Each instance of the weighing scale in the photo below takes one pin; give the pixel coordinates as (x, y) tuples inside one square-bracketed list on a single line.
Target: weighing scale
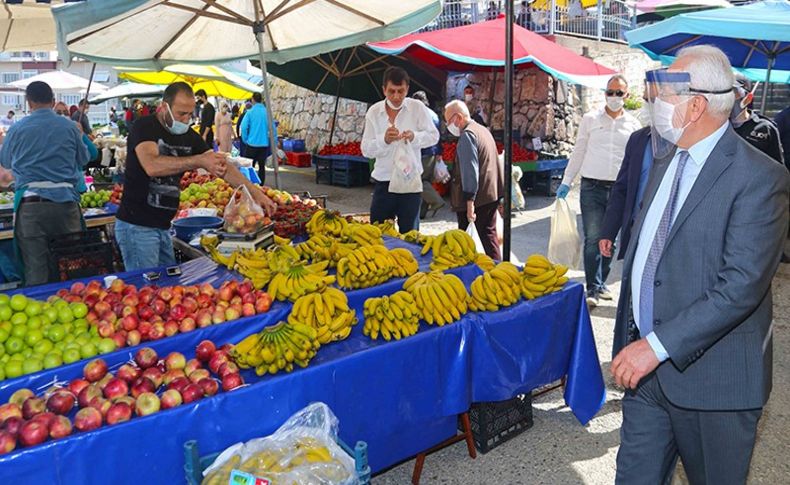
[(231, 242)]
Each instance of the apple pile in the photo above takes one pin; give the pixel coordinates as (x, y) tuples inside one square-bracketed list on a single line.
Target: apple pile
[(198, 191), (138, 388), (244, 216), (129, 315), (116, 194)]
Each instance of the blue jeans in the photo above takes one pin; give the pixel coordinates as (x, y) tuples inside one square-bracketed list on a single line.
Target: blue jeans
[(144, 247), (594, 196)]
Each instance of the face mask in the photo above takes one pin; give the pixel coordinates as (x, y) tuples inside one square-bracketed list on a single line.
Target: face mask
[(469, 97), (178, 127), (453, 129), (663, 114), (614, 103), (392, 106)]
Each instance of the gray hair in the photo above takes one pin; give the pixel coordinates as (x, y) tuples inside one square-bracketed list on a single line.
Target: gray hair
[(711, 70), (618, 77), (457, 106)]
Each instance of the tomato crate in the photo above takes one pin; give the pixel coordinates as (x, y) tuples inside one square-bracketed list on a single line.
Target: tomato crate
[(298, 159), (81, 255), (493, 423), (194, 464)]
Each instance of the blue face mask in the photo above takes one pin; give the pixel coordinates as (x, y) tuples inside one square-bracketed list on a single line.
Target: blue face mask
[(178, 127)]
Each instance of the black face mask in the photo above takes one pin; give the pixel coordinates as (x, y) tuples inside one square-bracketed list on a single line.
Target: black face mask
[(199, 101)]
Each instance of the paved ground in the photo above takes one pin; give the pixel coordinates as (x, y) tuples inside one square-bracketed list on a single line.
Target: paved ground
[(558, 450)]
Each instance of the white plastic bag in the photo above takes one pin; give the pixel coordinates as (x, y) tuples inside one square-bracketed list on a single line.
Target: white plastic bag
[(406, 177), (565, 245), (440, 172), (472, 231)]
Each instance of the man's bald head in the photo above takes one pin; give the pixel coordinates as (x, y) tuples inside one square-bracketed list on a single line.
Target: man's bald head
[(456, 107)]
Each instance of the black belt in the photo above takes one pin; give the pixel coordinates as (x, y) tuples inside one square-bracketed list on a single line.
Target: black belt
[(603, 183), (33, 198)]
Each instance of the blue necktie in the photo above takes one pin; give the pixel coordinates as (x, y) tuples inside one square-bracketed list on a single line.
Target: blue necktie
[(659, 241)]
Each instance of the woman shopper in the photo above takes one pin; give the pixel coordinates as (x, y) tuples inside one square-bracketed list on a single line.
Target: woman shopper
[(223, 124)]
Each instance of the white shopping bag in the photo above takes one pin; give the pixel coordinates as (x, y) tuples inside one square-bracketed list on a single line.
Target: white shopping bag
[(565, 245), (472, 231), (440, 172), (406, 170)]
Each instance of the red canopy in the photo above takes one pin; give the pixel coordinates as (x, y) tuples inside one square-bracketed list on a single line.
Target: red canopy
[(481, 47)]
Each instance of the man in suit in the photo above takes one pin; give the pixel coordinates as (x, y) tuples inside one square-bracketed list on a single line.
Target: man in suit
[(693, 333)]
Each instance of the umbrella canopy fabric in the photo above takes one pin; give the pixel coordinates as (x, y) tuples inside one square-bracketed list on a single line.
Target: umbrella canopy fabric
[(214, 80), (356, 73), (61, 81), (481, 47), (27, 25), (669, 8), (130, 90), (154, 33)]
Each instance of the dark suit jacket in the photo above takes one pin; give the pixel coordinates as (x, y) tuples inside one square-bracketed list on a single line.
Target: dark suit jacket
[(620, 208), (712, 296)]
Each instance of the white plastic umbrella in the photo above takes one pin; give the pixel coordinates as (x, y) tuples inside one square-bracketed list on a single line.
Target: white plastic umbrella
[(27, 25), (61, 81), (129, 90), (155, 33)]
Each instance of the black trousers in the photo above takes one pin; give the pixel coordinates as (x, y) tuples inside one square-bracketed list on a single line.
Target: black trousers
[(389, 205), (258, 156), (36, 223), (485, 223)]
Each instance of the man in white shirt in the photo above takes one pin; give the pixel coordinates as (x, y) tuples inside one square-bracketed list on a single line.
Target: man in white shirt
[(396, 119), (598, 154)]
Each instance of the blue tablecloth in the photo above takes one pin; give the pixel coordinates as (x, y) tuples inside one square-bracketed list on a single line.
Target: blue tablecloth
[(401, 397)]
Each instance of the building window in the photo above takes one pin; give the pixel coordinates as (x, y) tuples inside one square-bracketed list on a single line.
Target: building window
[(9, 77), (29, 74), (71, 99), (101, 76), (10, 100)]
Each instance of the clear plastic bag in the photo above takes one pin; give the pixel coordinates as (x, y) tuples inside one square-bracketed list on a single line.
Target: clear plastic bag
[(304, 450), (440, 172), (242, 214), (565, 245), (472, 231), (406, 170)]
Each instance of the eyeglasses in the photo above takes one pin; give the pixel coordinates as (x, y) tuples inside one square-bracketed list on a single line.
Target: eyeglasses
[(61, 113), (612, 92)]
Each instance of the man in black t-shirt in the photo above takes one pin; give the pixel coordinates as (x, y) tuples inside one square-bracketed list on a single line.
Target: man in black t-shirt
[(161, 148), (753, 127), (81, 117), (207, 114)]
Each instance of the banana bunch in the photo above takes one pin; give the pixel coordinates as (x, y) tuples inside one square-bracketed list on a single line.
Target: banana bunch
[(317, 248), (484, 262), (499, 287), (364, 267), (441, 298), (299, 279), (281, 241), (362, 234), (451, 249), (340, 250), (276, 348), (327, 312), (254, 265), (387, 228), (282, 257), (412, 236), (405, 263), (326, 222), (394, 317), (541, 277)]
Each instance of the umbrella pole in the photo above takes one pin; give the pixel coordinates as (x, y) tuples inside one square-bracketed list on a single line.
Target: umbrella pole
[(88, 92), (765, 85), (508, 137), (259, 29), (334, 115)]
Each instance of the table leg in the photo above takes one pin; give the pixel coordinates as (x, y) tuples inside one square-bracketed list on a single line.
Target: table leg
[(419, 462)]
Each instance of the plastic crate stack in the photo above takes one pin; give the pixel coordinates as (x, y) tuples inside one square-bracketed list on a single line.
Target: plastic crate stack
[(81, 255)]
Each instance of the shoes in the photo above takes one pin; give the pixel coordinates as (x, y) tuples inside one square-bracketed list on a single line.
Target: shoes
[(592, 300), (605, 294)]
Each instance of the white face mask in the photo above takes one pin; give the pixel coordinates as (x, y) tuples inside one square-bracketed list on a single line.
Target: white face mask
[(469, 97), (392, 106), (454, 130), (614, 103), (663, 115)]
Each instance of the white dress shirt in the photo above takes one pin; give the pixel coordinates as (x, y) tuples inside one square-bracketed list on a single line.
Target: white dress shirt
[(698, 155), (414, 116), (600, 146)]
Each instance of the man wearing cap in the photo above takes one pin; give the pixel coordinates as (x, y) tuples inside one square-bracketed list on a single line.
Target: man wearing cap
[(753, 127)]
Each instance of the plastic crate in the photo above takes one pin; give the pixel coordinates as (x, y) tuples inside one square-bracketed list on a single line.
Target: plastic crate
[(323, 169), (350, 178), (194, 464), (81, 255), (298, 159), (494, 423), (293, 145)]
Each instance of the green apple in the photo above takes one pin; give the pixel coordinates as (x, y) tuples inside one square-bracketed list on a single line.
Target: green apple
[(43, 346), (19, 331), (4, 334), (71, 355), (52, 360), (14, 345), (51, 313), (35, 322), (106, 345), (18, 302), (88, 350), (33, 308), (56, 333), (32, 365), (65, 315), (4, 299), (19, 318), (13, 369), (5, 313), (79, 310), (34, 336)]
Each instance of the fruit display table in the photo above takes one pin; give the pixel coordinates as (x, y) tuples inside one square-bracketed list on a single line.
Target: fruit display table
[(401, 397)]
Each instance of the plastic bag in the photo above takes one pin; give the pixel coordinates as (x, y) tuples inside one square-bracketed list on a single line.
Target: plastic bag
[(304, 450), (406, 169), (516, 196), (242, 214), (440, 172), (472, 231), (565, 245)]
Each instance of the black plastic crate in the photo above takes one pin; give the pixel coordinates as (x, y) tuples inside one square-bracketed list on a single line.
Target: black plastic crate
[(545, 182), (81, 255), (351, 177), (323, 169), (493, 423)]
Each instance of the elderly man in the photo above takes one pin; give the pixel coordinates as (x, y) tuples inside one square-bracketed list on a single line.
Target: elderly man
[(599, 150), (693, 334), (389, 124), (46, 155), (161, 148), (477, 183)]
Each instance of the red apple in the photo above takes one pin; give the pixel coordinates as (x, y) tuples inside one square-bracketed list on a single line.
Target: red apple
[(248, 310), (178, 384), (248, 298), (106, 329), (207, 289), (125, 399), (231, 382), (172, 375), (218, 316), (203, 301), (236, 300), (227, 368), (192, 392), (159, 307), (120, 339), (95, 370), (19, 397), (245, 288), (87, 419), (130, 300), (147, 403), (171, 328), (175, 360), (199, 374), (227, 348), (141, 386), (190, 305), (33, 406), (217, 360), (13, 424), (225, 293), (118, 413), (128, 372), (61, 402), (204, 318), (171, 398), (10, 410), (133, 338), (232, 314), (209, 386), (146, 357), (116, 388), (154, 375), (205, 350), (157, 331), (33, 433), (165, 293), (86, 395), (117, 286), (130, 322), (60, 427), (146, 313), (7, 442), (101, 308), (77, 385), (77, 288), (187, 325), (100, 404), (104, 380), (178, 312), (192, 365)]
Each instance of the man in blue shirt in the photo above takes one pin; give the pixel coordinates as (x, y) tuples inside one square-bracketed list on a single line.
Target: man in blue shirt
[(45, 154), (255, 135)]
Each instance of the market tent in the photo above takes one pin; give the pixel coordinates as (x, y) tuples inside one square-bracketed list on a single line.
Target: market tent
[(657, 10), (216, 81), (130, 90), (61, 81), (754, 36), (131, 32), (27, 25), (481, 47)]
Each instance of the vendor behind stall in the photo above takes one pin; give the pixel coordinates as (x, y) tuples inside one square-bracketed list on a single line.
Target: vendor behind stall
[(161, 148), (45, 154)]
